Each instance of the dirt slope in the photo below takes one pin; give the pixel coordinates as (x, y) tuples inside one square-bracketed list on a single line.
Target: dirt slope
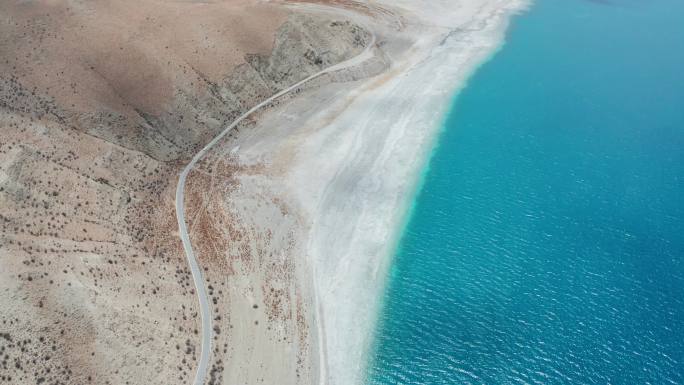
[(101, 102)]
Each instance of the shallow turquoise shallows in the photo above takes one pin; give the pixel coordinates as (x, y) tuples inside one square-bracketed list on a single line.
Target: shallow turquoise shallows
[(547, 243)]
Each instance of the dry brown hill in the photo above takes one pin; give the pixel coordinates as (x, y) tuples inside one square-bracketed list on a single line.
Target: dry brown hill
[(101, 102)]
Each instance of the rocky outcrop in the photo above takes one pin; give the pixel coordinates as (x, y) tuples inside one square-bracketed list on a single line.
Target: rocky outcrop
[(302, 46)]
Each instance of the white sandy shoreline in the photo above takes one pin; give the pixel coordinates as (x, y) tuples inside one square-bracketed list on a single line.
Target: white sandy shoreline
[(346, 158), (496, 34), (356, 228)]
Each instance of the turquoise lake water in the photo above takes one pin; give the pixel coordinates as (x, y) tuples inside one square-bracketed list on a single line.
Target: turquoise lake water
[(547, 243)]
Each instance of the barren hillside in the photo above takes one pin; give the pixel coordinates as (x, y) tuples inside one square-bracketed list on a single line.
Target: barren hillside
[(101, 103)]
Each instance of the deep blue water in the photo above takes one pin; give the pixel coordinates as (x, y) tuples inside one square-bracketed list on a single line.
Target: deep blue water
[(547, 243)]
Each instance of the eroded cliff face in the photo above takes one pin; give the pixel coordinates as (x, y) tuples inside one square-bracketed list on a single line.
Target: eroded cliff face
[(101, 103)]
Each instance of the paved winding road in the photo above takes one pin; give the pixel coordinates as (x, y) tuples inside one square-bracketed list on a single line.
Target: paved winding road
[(205, 309)]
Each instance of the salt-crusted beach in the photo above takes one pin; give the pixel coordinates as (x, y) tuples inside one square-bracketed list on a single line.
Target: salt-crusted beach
[(339, 161)]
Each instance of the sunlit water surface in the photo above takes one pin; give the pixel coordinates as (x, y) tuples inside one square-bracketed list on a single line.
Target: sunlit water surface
[(547, 243)]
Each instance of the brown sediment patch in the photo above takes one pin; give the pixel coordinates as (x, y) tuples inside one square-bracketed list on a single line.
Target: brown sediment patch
[(257, 259), (216, 232)]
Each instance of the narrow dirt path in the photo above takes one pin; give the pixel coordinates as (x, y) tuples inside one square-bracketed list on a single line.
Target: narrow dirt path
[(205, 309)]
